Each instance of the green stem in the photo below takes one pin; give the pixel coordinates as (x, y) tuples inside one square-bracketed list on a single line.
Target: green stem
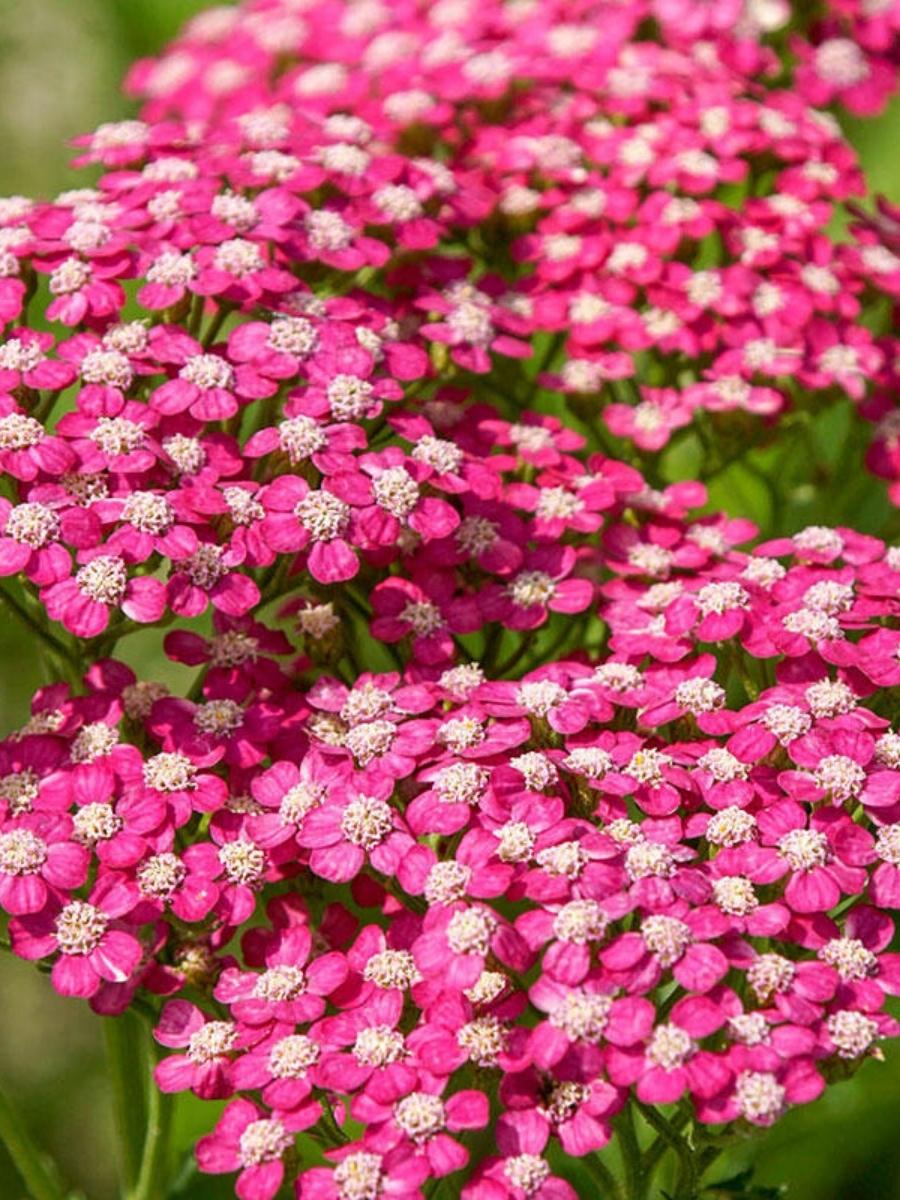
[(514, 659), (50, 641), (631, 1155), (127, 1074), (665, 1140), (608, 1185), (216, 324), (153, 1175), (688, 1175), (39, 1173), (329, 1126), (667, 1133)]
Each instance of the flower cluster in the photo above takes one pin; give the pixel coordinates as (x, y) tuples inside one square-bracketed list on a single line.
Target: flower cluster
[(510, 788)]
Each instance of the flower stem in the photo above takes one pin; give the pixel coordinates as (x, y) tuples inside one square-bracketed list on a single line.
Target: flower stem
[(50, 641), (608, 1185), (127, 1074), (630, 1148), (153, 1174), (691, 1164), (38, 1171)]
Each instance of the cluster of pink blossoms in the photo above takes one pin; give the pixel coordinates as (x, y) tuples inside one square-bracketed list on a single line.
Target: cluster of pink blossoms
[(512, 789)]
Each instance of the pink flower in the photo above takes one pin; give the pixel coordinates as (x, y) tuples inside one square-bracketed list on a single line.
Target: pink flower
[(816, 857), (424, 1121), (89, 944), (208, 576), (345, 833), (289, 990), (287, 794), (24, 362), (363, 1043), (27, 449), (522, 1172), (31, 539), (205, 1068), (761, 1095), (398, 1174), (651, 423), (671, 1062), (83, 601), (253, 1142), (315, 520), (429, 614), (169, 787), (457, 939), (578, 1114), (542, 584), (38, 862), (283, 1068)]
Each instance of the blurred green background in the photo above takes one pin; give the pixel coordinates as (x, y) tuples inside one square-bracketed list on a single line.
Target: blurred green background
[(60, 66)]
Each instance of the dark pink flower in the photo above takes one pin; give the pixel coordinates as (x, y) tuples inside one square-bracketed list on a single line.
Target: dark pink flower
[(86, 938), (38, 861), (83, 601), (253, 1142)]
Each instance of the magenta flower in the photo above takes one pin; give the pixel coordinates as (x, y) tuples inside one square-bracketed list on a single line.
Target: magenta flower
[(239, 650), (543, 585), (522, 1171), (38, 862), (348, 315), (300, 439), (232, 869), (840, 763), (27, 449), (24, 362), (458, 938), (344, 834), (83, 601), (253, 1143), (315, 520), (856, 954), (761, 1095), (169, 787), (286, 794), (290, 989), (88, 943), (209, 1045), (283, 1068), (218, 728), (398, 1174), (578, 1114), (815, 856), (429, 614), (31, 538), (208, 576), (672, 1062), (422, 1120)]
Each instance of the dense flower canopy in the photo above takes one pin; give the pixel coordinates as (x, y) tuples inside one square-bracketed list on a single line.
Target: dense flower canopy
[(512, 788)]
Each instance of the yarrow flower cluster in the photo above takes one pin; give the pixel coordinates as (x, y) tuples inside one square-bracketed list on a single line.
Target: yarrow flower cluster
[(515, 788)]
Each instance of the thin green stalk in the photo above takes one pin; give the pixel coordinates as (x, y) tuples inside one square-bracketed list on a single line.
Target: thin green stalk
[(216, 324), (39, 1173), (608, 1186), (327, 1123), (631, 1154), (127, 1074), (514, 659), (687, 1160), (154, 1170), (664, 1141), (50, 641)]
